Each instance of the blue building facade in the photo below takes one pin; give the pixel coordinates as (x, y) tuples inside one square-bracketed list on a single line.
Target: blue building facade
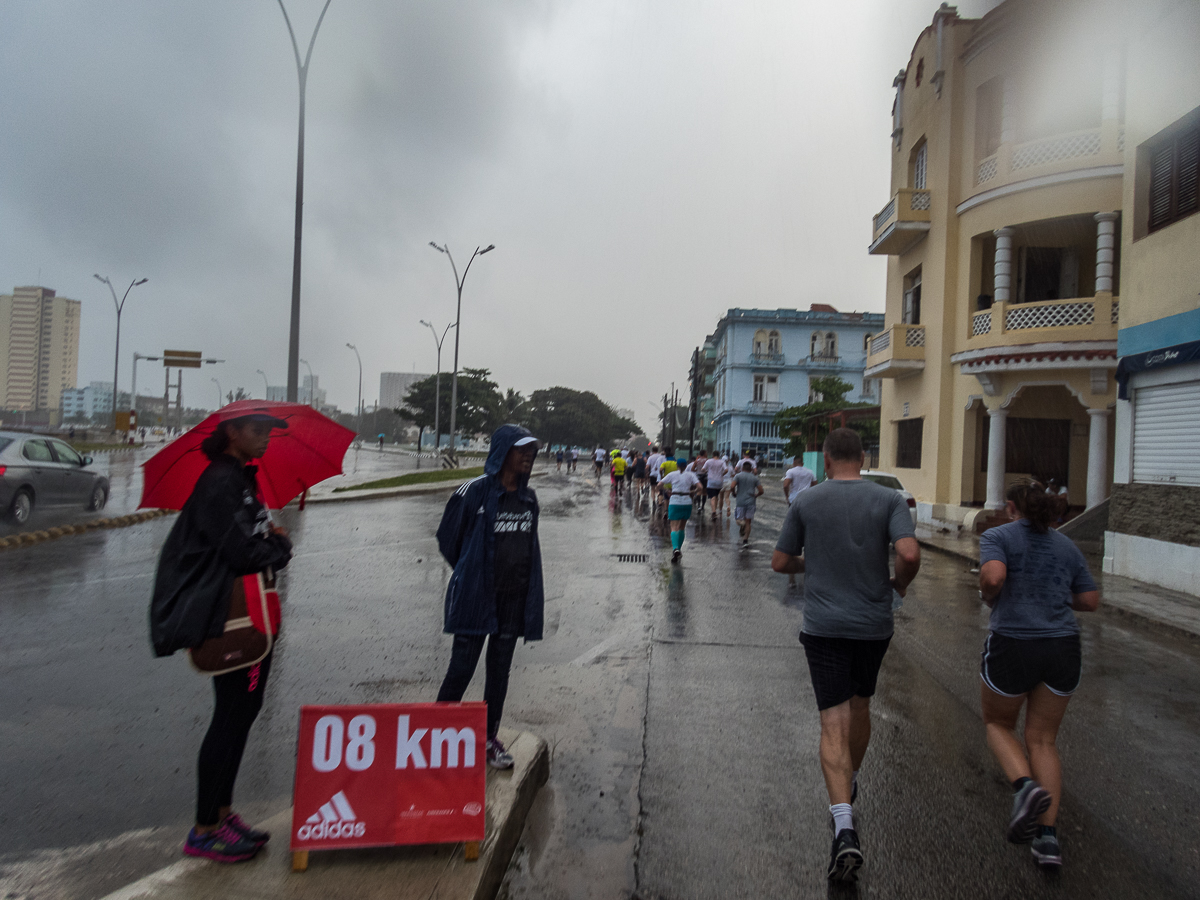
[(765, 360)]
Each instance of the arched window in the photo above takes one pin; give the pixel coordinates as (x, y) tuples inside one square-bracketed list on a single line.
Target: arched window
[(774, 343), (761, 339), (866, 343), (831, 345), (814, 345)]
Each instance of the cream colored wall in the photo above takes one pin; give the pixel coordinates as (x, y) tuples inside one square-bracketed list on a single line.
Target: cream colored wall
[(5, 331), (1162, 85)]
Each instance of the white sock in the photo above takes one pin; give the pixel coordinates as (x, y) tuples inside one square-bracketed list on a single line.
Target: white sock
[(843, 817)]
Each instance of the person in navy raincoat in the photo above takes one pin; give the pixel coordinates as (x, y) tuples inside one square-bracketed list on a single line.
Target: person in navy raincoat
[(489, 535)]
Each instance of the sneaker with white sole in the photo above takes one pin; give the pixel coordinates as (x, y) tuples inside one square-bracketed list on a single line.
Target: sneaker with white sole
[(1028, 803), (1046, 852), (497, 756), (845, 859)]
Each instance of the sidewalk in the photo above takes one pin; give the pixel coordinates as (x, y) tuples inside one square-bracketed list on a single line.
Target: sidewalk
[(403, 873), (1173, 609)]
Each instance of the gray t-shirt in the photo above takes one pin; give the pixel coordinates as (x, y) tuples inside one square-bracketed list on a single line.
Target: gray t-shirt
[(746, 485), (1044, 570), (845, 529)]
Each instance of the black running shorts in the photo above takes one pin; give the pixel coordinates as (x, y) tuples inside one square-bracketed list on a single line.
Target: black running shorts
[(713, 491), (842, 668), (1013, 667)]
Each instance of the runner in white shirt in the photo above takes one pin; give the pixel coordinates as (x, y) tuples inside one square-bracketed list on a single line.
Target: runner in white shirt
[(724, 498), (600, 458), (715, 470), (797, 479), (679, 485), (653, 461)]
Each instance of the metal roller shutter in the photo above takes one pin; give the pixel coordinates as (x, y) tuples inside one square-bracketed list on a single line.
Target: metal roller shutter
[(1166, 434)]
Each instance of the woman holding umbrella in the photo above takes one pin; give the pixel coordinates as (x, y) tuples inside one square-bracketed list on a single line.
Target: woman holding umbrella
[(223, 532)]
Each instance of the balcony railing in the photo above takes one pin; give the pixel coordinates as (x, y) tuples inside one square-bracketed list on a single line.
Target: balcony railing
[(1078, 319), (901, 223), (896, 352), (823, 359), (764, 406), (766, 359), (1059, 152)]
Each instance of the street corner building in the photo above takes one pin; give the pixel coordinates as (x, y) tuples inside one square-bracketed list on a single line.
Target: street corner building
[(759, 361), (1021, 200)]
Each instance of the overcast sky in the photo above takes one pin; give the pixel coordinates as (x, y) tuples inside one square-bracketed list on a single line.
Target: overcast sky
[(640, 166)]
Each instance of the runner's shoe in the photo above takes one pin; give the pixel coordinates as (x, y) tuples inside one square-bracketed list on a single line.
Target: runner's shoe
[(676, 556), (1028, 803), (222, 845), (498, 757), (845, 859), (238, 824), (1046, 851)]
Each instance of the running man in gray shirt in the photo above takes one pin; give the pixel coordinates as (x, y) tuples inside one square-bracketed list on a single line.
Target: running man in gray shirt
[(844, 528)]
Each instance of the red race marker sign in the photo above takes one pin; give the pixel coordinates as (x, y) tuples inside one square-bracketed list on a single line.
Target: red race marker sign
[(389, 774)]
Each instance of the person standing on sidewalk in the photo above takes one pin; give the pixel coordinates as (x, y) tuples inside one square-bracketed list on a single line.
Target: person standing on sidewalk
[(1033, 578), (489, 535), (844, 528), (223, 532), (747, 488)]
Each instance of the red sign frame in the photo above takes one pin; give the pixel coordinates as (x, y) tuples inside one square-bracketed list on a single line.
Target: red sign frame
[(389, 774)]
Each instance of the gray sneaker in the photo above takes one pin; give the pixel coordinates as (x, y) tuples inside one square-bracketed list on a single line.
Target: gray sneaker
[(1046, 851), (497, 756), (1028, 803)]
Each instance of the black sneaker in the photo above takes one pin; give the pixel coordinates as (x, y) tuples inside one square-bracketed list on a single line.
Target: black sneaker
[(238, 824), (1028, 803), (676, 556), (1046, 852), (845, 859)]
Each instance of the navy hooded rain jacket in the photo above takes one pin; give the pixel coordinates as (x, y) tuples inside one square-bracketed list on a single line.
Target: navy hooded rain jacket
[(466, 539)]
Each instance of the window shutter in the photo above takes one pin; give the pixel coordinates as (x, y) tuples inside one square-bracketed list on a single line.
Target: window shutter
[(1160, 185), (1189, 156)]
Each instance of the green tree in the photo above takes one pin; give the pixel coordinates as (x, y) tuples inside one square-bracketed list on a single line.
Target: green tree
[(560, 415), (481, 406), (806, 426)]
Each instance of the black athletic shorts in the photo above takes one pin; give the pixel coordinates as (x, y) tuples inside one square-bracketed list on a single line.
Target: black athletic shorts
[(713, 491), (1015, 666), (842, 668)]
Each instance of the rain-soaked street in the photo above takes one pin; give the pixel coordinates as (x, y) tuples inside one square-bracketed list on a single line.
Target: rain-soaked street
[(676, 702)]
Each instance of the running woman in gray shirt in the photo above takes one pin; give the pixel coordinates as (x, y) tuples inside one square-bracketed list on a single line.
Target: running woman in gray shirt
[(844, 527), (1034, 579)]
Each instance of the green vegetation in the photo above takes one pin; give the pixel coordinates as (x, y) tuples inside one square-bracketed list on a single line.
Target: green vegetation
[(806, 426), (433, 475)]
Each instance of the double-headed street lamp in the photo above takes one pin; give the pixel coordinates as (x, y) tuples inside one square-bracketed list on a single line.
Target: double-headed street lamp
[(266, 384), (358, 427), (220, 396), (311, 386), (437, 391), (458, 283), (117, 354), (293, 370)]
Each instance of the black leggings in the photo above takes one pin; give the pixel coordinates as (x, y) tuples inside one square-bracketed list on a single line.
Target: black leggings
[(239, 698), (463, 659)]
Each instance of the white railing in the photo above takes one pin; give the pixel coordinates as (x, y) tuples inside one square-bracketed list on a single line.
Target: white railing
[(824, 359), (1052, 149), (987, 170), (881, 342), (981, 323), (764, 406), (773, 359), (1115, 307), (884, 214), (915, 336), (919, 200), (1055, 314)]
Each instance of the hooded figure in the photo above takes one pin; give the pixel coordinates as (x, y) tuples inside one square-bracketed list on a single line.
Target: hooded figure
[(489, 535)]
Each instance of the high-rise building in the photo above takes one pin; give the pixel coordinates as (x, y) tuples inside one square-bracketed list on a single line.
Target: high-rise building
[(393, 386), (39, 348)]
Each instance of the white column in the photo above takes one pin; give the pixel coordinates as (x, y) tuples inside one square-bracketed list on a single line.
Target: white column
[(1106, 239), (995, 466), (1002, 277), (1097, 474)]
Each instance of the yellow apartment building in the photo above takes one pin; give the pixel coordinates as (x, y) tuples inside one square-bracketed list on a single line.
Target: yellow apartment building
[(39, 348), (1001, 232), (1153, 523)]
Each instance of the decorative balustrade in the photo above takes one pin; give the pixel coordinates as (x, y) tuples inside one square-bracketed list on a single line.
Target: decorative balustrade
[(1053, 314), (981, 323), (881, 342), (823, 359), (1052, 149), (987, 170), (903, 221), (766, 359), (1087, 312), (764, 406), (897, 351), (1115, 307), (915, 336), (884, 214), (919, 200)]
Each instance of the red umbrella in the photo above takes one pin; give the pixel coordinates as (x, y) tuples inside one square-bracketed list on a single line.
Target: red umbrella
[(306, 453)]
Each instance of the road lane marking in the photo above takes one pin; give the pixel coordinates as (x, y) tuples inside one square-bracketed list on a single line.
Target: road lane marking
[(599, 650)]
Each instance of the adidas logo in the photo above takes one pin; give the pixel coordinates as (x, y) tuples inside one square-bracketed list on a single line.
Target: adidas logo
[(334, 819)]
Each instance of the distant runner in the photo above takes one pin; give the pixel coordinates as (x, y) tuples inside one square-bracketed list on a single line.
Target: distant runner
[(714, 481), (796, 479), (747, 488), (679, 485), (599, 457), (618, 474)]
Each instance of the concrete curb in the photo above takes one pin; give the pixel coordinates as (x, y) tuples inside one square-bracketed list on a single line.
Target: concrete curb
[(26, 538), (973, 559), (404, 873)]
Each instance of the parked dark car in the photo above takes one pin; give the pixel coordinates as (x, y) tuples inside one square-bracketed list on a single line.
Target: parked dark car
[(42, 471)]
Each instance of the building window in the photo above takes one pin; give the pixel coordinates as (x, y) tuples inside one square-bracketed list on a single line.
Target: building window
[(908, 444), (766, 388), (824, 345), (774, 342), (919, 167), (764, 430), (911, 312), (767, 343), (1174, 180)]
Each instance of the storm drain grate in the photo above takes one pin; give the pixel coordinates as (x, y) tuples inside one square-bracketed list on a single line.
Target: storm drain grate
[(633, 557)]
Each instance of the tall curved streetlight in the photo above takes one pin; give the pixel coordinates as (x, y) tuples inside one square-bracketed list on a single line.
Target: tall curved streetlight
[(358, 427), (220, 395), (310, 381), (437, 391), (293, 369), (120, 305), (458, 283), (266, 384)]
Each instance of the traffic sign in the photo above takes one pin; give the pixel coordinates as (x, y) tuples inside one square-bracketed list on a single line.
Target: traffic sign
[(182, 359)]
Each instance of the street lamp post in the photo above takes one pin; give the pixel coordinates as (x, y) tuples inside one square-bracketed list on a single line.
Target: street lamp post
[(220, 395), (358, 427), (266, 384), (437, 391), (117, 353), (293, 370), (458, 283), (310, 381)]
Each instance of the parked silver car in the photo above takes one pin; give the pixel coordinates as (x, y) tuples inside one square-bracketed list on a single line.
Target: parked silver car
[(888, 480), (38, 470)]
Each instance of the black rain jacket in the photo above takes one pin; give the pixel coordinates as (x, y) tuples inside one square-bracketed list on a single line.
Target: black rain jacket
[(218, 537)]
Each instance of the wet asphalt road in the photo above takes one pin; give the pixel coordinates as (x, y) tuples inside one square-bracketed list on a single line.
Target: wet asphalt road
[(676, 702)]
